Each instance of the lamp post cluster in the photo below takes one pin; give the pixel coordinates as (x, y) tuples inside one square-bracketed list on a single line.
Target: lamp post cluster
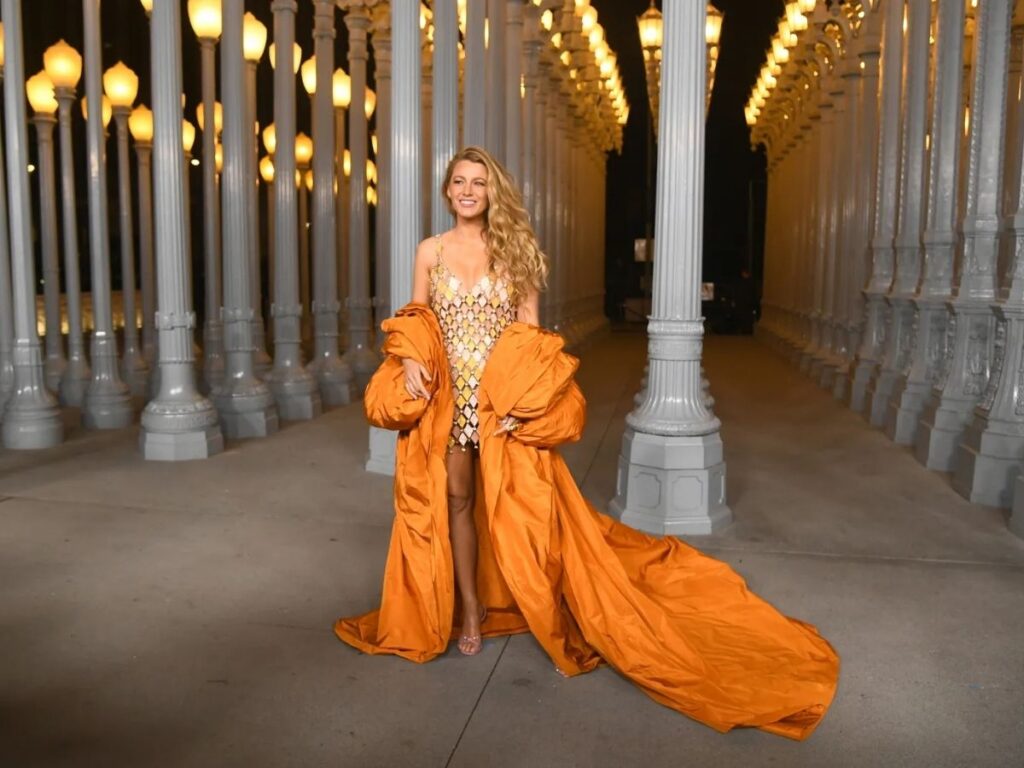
[(554, 108), (886, 283)]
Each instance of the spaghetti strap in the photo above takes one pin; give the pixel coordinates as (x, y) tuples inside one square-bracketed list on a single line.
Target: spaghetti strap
[(437, 252)]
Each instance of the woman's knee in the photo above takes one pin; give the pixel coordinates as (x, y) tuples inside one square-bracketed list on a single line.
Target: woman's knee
[(460, 503)]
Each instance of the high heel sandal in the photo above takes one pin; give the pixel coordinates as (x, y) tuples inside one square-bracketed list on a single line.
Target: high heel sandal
[(471, 645)]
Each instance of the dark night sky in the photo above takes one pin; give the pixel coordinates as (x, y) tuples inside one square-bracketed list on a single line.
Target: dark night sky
[(730, 165)]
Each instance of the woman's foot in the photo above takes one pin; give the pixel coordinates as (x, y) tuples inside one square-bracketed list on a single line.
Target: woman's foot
[(471, 642)]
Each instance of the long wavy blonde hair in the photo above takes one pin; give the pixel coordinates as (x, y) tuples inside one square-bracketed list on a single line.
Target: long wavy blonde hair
[(511, 243)]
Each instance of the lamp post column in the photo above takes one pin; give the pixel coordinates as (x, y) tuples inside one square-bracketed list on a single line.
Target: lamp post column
[(213, 329), (445, 112), (360, 354), (381, 32), (108, 399), (244, 403), (133, 364), (341, 208), (31, 419), (77, 374), (144, 154), (55, 362), (940, 236), (495, 79), (179, 423), (671, 471), (530, 51), (406, 231), (294, 389), (513, 81), (988, 457), (474, 99), (333, 375), (971, 332), (6, 300), (261, 360)]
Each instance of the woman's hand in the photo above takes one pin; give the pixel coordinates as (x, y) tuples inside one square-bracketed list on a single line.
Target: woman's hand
[(416, 378), (508, 424)]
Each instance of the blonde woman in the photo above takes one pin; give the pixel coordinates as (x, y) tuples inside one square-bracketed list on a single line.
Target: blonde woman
[(491, 535)]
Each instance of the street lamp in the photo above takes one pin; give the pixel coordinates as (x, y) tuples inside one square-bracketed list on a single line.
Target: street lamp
[(106, 110), (303, 154), (40, 92), (342, 97), (206, 20), (64, 66), (140, 125), (121, 86)]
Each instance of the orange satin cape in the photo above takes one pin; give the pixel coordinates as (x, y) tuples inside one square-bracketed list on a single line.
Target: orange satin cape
[(679, 624)]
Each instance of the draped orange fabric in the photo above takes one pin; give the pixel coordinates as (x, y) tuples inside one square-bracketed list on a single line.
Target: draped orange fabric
[(679, 624)]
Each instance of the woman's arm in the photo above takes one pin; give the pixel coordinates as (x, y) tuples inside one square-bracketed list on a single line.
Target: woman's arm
[(529, 308)]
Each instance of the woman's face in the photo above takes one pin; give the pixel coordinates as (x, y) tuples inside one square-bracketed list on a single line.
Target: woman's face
[(468, 189)]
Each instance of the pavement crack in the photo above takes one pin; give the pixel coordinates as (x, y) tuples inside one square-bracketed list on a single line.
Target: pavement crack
[(483, 689)]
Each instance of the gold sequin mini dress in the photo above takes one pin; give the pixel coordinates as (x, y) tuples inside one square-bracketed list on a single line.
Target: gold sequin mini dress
[(471, 322)]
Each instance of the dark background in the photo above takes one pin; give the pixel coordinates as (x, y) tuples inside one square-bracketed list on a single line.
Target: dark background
[(734, 174)]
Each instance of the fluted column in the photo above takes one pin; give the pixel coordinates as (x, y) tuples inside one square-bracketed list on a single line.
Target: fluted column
[(179, 423), (513, 80), (295, 390), (107, 399), (6, 302), (261, 359), (988, 457), (474, 99), (823, 209), (360, 354), (213, 328), (530, 53), (333, 375), (77, 375), (407, 165), (552, 180), (31, 419), (671, 473), (144, 176), (812, 196), (381, 38), (539, 154), (55, 362), (495, 96), (940, 236), (244, 403), (445, 109), (133, 364), (901, 413), (965, 369)]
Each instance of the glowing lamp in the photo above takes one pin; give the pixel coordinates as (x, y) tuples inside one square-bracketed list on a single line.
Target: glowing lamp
[(106, 111), (63, 64), (218, 118), (713, 27), (371, 103), (296, 56), (303, 149), (267, 170), (270, 138), (120, 85), (218, 156), (204, 16), (342, 88), (254, 37), (140, 123), (188, 135), (39, 88), (651, 28), (308, 73)]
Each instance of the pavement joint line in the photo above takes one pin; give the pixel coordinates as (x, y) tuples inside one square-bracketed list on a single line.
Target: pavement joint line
[(604, 434), (483, 689), (862, 557)]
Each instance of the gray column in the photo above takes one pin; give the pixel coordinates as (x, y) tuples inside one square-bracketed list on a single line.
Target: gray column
[(213, 329), (989, 456), (6, 303), (965, 370), (133, 364), (341, 212), (909, 386), (332, 374), (940, 235), (513, 75), (530, 53), (144, 153), (77, 374), (495, 78), (823, 210), (474, 100), (245, 404), (178, 424), (360, 354), (294, 389), (671, 472), (406, 231), (261, 360), (108, 399), (552, 184), (31, 419), (445, 112), (55, 363), (426, 122), (381, 31)]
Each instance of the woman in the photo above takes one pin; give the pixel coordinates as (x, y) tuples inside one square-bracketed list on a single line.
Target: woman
[(481, 397)]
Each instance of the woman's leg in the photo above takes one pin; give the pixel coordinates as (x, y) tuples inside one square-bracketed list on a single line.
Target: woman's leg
[(461, 487)]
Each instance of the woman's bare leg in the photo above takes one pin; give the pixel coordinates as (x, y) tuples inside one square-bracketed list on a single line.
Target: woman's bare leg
[(461, 489)]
